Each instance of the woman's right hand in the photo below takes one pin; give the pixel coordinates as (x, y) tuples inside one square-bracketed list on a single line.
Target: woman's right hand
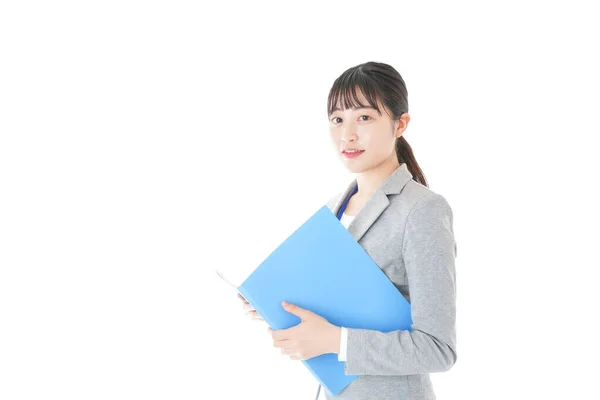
[(251, 312)]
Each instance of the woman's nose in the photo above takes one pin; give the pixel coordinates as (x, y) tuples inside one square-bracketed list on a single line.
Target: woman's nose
[(348, 135)]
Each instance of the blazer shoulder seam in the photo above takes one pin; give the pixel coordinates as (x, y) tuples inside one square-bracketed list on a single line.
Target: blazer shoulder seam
[(432, 196)]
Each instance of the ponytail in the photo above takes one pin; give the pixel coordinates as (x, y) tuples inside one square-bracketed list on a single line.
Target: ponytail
[(405, 155)]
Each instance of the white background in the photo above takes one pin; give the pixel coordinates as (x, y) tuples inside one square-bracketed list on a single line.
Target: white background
[(144, 144)]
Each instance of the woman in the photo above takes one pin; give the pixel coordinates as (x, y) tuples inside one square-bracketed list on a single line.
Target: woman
[(404, 226)]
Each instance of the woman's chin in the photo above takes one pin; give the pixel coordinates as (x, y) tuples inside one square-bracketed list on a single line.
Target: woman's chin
[(355, 168)]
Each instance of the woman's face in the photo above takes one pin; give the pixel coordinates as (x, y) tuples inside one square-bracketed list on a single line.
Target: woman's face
[(364, 129)]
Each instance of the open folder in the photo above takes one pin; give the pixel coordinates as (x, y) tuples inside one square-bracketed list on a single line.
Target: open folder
[(320, 267)]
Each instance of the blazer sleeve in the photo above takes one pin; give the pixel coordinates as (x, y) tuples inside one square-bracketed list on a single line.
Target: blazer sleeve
[(429, 252)]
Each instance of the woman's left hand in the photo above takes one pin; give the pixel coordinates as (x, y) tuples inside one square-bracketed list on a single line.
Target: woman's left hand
[(313, 336)]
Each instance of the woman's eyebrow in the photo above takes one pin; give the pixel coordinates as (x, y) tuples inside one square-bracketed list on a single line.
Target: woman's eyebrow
[(355, 108)]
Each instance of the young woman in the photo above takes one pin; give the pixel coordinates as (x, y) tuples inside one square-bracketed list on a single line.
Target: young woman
[(404, 226)]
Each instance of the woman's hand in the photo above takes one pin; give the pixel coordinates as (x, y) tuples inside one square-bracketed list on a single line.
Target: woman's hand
[(251, 312), (313, 336)]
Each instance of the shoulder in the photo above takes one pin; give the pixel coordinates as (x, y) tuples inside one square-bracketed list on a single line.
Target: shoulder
[(428, 219), (419, 201)]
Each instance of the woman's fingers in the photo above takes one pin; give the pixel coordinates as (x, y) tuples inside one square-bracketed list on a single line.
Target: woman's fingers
[(243, 299), (250, 311), (254, 315)]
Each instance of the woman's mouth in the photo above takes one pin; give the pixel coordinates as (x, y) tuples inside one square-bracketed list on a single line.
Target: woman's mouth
[(352, 153)]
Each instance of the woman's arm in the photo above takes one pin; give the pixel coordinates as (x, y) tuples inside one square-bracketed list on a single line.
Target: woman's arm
[(429, 251)]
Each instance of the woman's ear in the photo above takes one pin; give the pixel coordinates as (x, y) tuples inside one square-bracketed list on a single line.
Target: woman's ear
[(401, 125)]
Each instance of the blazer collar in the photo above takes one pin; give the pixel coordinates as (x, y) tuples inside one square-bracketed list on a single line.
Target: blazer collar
[(377, 203)]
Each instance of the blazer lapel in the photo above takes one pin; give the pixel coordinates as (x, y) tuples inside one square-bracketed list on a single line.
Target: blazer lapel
[(368, 214), (342, 197), (377, 203)]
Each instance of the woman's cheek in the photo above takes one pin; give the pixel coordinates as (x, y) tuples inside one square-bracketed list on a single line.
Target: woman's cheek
[(335, 139), (364, 141)]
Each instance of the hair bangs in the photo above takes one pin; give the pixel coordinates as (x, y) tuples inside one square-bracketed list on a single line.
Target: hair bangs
[(344, 95)]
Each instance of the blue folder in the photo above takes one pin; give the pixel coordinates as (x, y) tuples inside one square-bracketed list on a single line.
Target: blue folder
[(320, 267)]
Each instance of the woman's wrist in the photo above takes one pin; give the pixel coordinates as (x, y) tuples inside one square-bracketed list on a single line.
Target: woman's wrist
[(336, 338)]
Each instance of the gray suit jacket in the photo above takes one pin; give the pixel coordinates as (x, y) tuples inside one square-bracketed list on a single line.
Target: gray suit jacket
[(407, 229)]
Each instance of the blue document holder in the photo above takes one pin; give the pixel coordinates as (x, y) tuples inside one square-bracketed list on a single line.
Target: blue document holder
[(320, 267)]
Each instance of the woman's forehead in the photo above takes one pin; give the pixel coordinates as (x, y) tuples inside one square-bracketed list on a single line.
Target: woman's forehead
[(349, 100), (363, 105)]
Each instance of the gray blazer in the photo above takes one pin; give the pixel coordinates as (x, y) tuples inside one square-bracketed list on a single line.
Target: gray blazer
[(406, 228)]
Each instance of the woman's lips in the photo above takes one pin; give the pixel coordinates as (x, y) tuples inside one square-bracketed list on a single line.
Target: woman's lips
[(352, 154)]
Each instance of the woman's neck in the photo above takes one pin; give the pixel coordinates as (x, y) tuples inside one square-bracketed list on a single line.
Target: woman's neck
[(369, 181)]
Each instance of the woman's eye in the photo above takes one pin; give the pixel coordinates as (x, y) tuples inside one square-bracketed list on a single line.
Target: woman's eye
[(335, 118)]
